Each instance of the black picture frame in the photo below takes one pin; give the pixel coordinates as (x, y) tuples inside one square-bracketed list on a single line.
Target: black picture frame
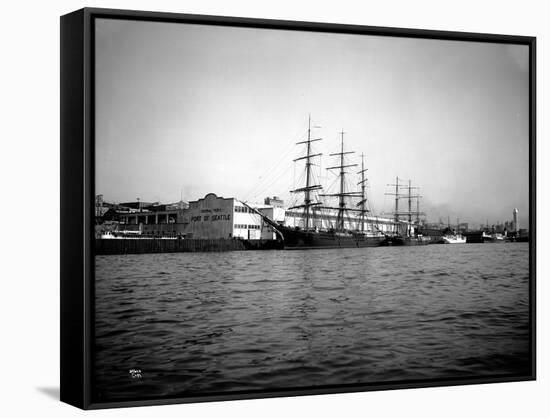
[(77, 199)]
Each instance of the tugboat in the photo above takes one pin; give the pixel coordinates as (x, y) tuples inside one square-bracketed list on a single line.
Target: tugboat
[(451, 236), (454, 239)]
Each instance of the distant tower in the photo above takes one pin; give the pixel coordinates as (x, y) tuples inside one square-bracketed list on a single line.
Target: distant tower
[(516, 223)]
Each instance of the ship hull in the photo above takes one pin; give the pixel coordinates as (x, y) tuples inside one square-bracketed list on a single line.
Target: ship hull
[(299, 239), (493, 238), (406, 241)]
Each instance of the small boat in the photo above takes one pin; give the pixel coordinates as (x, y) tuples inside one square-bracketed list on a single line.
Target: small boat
[(121, 234), (451, 235), (493, 238), (453, 239)]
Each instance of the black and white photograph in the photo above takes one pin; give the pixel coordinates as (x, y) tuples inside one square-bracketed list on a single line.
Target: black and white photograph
[(290, 209)]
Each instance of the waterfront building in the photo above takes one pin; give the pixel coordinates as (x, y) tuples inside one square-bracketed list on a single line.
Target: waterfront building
[(274, 201), (326, 219), (218, 217), (151, 217)]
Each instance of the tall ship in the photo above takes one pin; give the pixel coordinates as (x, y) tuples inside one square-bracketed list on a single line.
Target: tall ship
[(406, 232), (323, 225)]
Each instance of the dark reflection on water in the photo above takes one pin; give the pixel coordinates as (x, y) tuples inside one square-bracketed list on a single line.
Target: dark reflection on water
[(210, 322)]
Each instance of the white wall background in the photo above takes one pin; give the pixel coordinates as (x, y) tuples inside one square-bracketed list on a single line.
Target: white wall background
[(29, 207)]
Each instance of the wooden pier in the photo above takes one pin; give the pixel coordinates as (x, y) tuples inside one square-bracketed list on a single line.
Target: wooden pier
[(159, 245)]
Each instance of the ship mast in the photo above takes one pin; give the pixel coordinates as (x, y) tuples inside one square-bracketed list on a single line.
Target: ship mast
[(363, 200), (409, 187), (308, 187), (410, 197), (396, 194), (342, 193), (341, 198)]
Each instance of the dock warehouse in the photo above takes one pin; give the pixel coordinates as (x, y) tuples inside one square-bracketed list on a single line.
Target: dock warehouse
[(218, 217), (211, 217)]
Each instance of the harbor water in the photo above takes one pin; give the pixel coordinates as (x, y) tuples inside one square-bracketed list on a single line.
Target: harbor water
[(181, 324)]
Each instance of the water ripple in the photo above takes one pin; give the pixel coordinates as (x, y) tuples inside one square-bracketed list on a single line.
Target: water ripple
[(197, 323)]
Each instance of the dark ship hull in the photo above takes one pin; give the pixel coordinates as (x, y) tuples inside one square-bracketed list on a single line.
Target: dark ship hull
[(399, 240), (300, 239)]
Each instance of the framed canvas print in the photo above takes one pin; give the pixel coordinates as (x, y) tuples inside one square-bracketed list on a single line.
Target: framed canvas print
[(259, 208)]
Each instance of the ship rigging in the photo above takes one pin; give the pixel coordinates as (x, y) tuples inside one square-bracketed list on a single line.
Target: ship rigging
[(317, 229)]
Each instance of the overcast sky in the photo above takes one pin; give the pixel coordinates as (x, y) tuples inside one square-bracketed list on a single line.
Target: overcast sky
[(192, 109)]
